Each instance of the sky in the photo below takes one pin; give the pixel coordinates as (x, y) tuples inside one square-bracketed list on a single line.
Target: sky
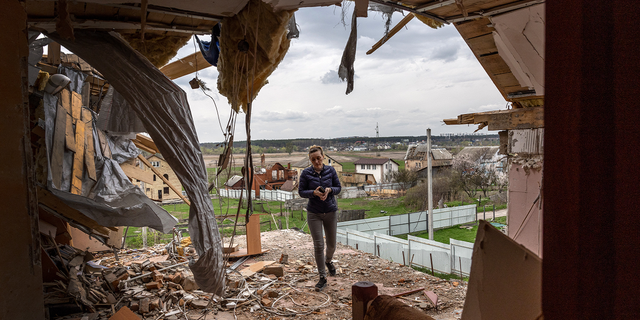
[(414, 81)]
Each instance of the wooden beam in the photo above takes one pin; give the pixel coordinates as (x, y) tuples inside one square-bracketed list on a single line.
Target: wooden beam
[(145, 143), (185, 66), (148, 164), (392, 32), (52, 202), (57, 152), (520, 118)]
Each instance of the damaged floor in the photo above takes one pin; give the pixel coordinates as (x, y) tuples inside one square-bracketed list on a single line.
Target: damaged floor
[(151, 285)]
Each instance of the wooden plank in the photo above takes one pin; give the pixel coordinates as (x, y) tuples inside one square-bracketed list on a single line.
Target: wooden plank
[(78, 160), (185, 66), (482, 45), (53, 53), (474, 28), (90, 152), (254, 268), (148, 164), (52, 202), (104, 144), (76, 106), (142, 140), (494, 64), (57, 151), (134, 172), (70, 136), (506, 80)]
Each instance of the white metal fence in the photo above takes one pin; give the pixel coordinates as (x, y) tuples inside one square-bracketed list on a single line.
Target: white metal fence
[(375, 235), (452, 258), (235, 194), (412, 222), (277, 195)]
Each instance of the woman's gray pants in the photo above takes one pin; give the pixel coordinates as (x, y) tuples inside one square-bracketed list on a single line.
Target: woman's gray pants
[(316, 223)]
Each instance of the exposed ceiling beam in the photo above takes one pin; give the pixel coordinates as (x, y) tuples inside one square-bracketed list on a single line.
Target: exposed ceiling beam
[(409, 9), (185, 66), (520, 118), (49, 24)]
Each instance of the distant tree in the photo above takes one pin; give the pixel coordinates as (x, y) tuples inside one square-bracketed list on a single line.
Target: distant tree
[(289, 147)]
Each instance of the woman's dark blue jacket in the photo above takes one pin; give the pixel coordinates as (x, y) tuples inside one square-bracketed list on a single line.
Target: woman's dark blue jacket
[(310, 180)]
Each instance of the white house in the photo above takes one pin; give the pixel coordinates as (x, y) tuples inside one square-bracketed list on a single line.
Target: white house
[(381, 169)]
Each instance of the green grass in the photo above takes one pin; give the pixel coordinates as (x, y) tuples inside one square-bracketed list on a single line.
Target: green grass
[(455, 232), (348, 167), (442, 276), (391, 206)]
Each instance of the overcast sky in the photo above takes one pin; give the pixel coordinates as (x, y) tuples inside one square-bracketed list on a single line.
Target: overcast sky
[(416, 79)]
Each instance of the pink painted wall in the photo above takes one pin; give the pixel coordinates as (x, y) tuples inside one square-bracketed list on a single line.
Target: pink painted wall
[(524, 188)]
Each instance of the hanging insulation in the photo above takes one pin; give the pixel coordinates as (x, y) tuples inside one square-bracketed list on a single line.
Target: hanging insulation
[(240, 72), (157, 48)]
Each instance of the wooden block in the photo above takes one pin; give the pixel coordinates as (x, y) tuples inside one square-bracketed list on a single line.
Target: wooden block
[(177, 277), (157, 276), (124, 314), (230, 249), (57, 152), (275, 269), (89, 154), (78, 160), (76, 105)]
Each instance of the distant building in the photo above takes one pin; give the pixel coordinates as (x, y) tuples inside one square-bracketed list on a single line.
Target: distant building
[(271, 178), (381, 168), (417, 159), (487, 157), (152, 185), (352, 179)]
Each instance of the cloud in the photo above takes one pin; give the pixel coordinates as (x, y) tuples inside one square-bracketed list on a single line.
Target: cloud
[(447, 53), (331, 77)]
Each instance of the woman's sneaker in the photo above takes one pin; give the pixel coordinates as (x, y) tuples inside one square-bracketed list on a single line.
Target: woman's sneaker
[(331, 268), (321, 284)]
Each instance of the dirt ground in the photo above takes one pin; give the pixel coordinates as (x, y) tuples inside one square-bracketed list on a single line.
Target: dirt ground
[(295, 289), (284, 158)]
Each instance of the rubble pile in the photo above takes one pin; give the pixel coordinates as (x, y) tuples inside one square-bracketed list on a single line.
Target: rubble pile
[(156, 283)]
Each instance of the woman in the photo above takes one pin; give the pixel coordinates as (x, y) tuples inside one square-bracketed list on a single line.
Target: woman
[(320, 184)]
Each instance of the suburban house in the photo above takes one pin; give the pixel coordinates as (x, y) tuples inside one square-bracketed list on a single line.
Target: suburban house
[(380, 168), (270, 178), (352, 179), (416, 158), (328, 161), (149, 182), (487, 157)]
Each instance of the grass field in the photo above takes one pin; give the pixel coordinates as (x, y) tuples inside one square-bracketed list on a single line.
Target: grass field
[(455, 232)]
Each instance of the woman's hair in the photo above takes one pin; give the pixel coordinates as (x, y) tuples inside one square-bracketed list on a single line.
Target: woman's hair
[(315, 148)]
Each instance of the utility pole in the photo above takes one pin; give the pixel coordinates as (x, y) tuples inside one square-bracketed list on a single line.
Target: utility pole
[(430, 185), (377, 141)]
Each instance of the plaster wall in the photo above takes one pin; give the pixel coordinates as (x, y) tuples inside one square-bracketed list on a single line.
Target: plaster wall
[(524, 217)]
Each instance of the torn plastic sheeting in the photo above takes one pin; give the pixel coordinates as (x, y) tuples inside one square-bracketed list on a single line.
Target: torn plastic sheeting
[(346, 71), (163, 108), (116, 117), (122, 148), (112, 200)]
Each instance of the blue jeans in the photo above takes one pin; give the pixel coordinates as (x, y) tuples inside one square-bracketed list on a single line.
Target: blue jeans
[(316, 223)]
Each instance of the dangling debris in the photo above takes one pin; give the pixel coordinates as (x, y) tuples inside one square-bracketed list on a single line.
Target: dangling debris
[(345, 71), (237, 69)]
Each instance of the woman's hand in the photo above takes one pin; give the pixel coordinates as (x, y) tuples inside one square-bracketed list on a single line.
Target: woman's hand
[(322, 195)]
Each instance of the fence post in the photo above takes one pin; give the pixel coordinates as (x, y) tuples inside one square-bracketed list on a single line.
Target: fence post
[(408, 223), (484, 212), (389, 233), (494, 212)]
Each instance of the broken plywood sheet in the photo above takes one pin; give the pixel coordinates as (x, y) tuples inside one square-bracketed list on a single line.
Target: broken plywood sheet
[(57, 153), (89, 155), (134, 172), (78, 160), (255, 268), (505, 281)]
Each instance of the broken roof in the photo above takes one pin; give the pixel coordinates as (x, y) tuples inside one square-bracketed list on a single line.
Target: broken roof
[(419, 152), (479, 153)]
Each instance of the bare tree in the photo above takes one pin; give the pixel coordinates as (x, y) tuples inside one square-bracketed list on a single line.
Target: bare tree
[(406, 178)]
